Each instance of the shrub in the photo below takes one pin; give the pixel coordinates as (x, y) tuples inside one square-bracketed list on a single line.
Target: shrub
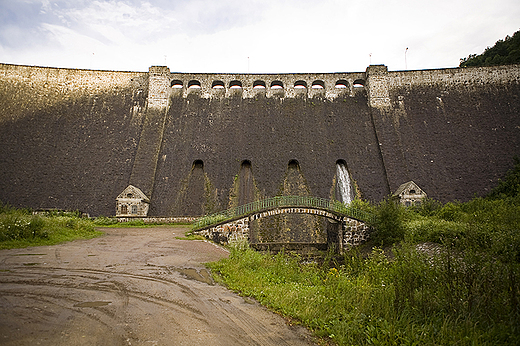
[(433, 230), (137, 222), (510, 185), (389, 227), (428, 207), (20, 228), (449, 212), (15, 226)]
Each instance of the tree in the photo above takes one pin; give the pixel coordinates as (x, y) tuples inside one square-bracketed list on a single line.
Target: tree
[(504, 52)]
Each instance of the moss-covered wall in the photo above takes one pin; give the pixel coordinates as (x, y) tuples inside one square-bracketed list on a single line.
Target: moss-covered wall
[(68, 137), (75, 139), (454, 132), (269, 133)]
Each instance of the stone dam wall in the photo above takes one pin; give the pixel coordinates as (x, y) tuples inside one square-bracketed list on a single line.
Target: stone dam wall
[(199, 143)]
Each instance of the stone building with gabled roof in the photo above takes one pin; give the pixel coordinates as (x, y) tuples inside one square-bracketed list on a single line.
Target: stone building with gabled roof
[(132, 202), (409, 194)]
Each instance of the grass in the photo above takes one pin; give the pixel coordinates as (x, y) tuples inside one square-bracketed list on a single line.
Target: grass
[(466, 293), (188, 235), (112, 222), (20, 228)]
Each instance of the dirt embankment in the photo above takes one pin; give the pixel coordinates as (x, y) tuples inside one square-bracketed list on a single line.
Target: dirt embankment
[(133, 286)]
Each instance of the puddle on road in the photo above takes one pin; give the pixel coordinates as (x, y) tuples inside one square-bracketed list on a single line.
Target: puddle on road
[(31, 264), (30, 254), (201, 275), (91, 304)]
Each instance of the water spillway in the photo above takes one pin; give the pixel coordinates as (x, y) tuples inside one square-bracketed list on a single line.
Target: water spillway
[(345, 190)]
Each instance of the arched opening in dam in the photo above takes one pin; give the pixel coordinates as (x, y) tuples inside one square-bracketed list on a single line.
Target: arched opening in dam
[(192, 197), (246, 185)]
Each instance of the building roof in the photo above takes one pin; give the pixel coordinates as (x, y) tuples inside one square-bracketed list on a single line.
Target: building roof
[(135, 193), (410, 185)]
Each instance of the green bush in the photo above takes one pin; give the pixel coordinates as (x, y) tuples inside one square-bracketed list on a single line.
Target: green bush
[(428, 207), (510, 185), (15, 226), (449, 212), (20, 228), (433, 230), (453, 297), (504, 52), (389, 224)]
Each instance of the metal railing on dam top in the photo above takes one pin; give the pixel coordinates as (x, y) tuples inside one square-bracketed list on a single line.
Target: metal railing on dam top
[(333, 206)]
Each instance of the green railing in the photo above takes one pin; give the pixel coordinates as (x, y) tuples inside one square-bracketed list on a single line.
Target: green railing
[(335, 207)]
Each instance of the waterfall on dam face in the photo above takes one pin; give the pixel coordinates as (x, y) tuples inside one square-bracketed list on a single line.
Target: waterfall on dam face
[(344, 186)]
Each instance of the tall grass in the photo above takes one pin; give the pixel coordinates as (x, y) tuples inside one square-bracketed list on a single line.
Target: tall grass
[(20, 228), (464, 291)]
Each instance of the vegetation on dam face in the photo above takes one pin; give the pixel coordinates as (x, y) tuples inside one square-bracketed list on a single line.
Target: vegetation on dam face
[(432, 275)]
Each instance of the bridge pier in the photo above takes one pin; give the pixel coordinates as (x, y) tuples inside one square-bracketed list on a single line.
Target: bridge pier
[(230, 232), (354, 233)]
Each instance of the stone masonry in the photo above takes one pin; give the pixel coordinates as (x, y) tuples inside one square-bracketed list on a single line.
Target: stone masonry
[(75, 139)]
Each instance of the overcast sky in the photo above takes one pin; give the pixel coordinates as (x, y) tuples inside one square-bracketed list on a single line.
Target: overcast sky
[(251, 36)]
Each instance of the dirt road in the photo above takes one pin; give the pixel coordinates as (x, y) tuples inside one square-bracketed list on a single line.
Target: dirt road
[(132, 286)]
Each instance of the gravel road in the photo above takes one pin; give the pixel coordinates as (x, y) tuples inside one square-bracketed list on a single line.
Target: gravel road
[(132, 286)]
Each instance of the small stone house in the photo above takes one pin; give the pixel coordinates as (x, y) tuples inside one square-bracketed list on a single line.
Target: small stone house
[(132, 202), (409, 194)]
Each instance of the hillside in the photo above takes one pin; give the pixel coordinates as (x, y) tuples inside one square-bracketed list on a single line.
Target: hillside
[(504, 52)]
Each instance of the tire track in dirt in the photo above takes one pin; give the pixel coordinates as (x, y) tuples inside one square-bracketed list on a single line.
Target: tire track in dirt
[(99, 283), (129, 287)]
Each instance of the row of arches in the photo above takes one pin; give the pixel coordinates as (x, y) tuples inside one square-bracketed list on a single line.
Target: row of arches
[(198, 195), (246, 163), (260, 84)]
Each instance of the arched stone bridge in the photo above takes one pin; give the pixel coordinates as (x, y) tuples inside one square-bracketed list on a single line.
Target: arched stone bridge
[(351, 224)]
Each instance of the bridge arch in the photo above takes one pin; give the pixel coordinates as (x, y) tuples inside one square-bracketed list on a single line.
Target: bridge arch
[(359, 83), (198, 164), (235, 84), (342, 84), (348, 228), (276, 84), (293, 163), (245, 183), (300, 84)]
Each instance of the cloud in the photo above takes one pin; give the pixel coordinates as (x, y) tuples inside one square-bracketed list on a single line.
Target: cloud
[(259, 36)]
